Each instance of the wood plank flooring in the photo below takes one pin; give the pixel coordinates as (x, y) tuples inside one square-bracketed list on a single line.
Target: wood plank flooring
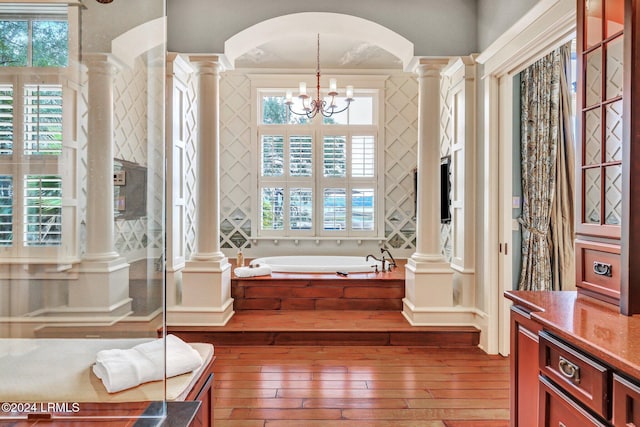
[(336, 386)]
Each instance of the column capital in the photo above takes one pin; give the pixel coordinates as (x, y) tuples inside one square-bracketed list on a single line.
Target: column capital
[(101, 62), (431, 67), (203, 63)]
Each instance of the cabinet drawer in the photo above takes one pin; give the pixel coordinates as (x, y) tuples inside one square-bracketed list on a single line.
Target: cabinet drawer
[(626, 402), (579, 375), (557, 409), (598, 270)]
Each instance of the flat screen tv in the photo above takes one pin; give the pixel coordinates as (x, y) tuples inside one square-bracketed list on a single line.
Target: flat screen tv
[(445, 190)]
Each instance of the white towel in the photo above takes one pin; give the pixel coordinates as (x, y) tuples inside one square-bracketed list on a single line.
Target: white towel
[(122, 369), (263, 270)]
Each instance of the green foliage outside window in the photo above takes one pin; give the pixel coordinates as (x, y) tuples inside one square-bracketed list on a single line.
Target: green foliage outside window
[(49, 43)]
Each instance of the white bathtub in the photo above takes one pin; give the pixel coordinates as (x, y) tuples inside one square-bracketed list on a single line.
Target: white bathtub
[(318, 264)]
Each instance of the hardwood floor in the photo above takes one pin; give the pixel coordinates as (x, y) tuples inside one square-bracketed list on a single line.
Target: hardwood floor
[(329, 386)]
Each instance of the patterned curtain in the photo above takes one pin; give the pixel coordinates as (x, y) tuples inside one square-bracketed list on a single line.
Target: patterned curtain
[(544, 130), (561, 232)]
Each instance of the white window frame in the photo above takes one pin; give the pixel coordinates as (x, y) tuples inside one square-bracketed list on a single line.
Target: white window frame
[(33, 13), (19, 165), (277, 85)]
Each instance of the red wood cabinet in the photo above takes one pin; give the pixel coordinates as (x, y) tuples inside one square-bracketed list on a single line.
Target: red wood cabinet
[(608, 152), (573, 362), (524, 368), (600, 155), (626, 402)]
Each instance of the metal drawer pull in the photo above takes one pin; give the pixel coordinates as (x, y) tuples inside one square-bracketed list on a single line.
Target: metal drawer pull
[(569, 370), (601, 268), (561, 424)]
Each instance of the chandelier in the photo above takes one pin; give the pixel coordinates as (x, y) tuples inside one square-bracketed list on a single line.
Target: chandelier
[(310, 108)]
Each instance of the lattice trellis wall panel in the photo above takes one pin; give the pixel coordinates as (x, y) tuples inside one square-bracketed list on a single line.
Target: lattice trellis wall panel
[(136, 142), (235, 160), (446, 141), (235, 156), (401, 135), (190, 130), (130, 130), (156, 150), (82, 163)]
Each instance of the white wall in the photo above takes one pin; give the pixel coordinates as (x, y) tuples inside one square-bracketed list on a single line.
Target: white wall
[(496, 16), (101, 23)]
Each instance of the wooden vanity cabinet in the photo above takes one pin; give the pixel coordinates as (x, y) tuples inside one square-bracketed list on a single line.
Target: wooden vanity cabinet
[(582, 377), (524, 367), (574, 362), (626, 402), (602, 146), (557, 409), (608, 152)]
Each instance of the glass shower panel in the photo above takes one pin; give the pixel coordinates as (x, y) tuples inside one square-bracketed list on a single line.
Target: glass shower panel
[(82, 209)]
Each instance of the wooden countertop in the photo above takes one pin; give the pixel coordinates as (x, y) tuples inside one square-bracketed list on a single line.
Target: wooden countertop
[(596, 327)]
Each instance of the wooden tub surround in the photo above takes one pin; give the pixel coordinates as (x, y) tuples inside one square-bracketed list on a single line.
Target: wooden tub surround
[(324, 309), (320, 291)]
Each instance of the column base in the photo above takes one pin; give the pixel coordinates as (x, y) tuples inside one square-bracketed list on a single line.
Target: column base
[(180, 315), (447, 316), (430, 283), (206, 294), (102, 289)]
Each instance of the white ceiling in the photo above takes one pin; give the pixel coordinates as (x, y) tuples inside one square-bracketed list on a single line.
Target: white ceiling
[(336, 52)]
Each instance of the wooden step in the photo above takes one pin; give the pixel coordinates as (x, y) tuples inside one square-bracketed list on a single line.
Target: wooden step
[(327, 327)]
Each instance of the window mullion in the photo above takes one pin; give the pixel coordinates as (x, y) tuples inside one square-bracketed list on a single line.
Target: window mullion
[(30, 43)]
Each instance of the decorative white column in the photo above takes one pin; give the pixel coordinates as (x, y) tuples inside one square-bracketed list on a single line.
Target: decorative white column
[(429, 278), (206, 279), (178, 72), (103, 283), (462, 119)]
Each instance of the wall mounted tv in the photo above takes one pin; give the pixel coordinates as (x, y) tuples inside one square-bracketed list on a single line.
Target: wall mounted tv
[(445, 190)]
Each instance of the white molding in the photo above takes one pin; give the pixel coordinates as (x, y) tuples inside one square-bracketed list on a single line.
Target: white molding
[(284, 80), (128, 46), (490, 203), (456, 68), (178, 66), (297, 24), (199, 316), (448, 316), (548, 24)]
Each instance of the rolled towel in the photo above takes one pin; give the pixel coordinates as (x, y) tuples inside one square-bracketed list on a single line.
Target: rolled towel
[(120, 369), (263, 270)]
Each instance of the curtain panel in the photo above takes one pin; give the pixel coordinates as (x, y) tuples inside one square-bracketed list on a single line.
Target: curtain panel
[(547, 211)]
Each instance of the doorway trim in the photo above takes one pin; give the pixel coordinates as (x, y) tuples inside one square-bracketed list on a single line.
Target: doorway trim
[(546, 26)]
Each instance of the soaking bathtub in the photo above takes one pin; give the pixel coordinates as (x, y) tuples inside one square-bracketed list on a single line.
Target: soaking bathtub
[(318, 264)]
